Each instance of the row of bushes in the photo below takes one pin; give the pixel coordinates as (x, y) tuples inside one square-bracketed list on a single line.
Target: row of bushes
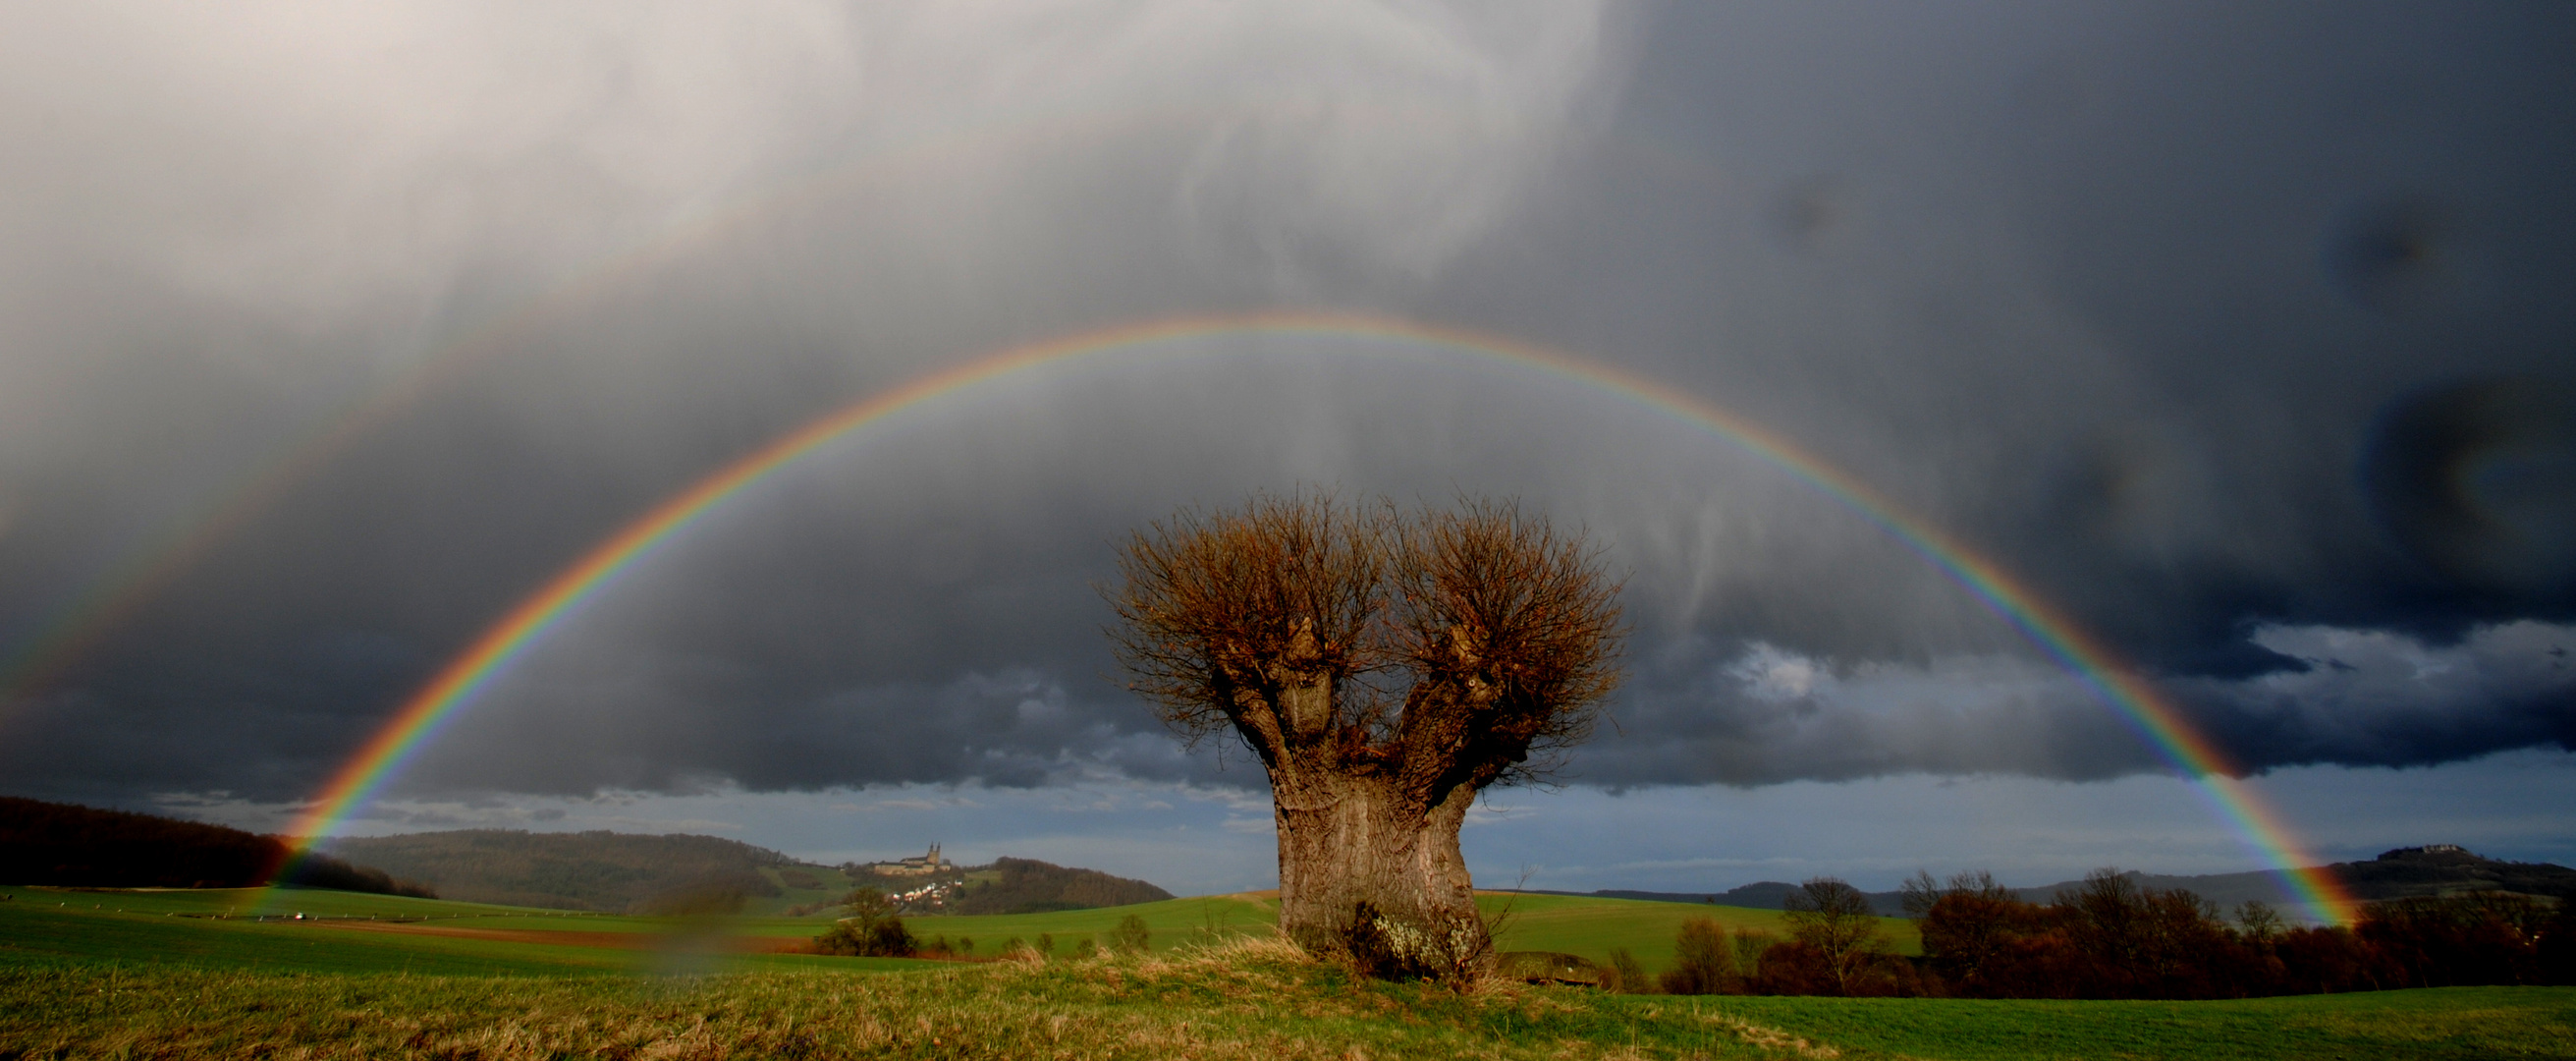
[(2110, 938), (1835, 947)]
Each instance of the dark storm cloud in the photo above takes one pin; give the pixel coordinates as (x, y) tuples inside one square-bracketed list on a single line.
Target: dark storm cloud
[(2479, 481), (2234, 332)]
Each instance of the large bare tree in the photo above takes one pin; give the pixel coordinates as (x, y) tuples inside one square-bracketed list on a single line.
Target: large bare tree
[(1384, 665)]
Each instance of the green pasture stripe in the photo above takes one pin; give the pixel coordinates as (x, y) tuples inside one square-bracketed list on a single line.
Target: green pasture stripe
[(1573, 924), (39, 935), (1174, 922), (1591, 927), (45, 937)]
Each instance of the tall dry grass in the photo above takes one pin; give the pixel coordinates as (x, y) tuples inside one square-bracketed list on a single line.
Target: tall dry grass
[(1238, 998)]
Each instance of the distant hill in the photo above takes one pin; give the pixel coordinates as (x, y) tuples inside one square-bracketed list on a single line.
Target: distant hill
[(1027, 886), (70, 845), (2444, 869), (1759, 895), (2438, 869), (622, 872), (598, 870)]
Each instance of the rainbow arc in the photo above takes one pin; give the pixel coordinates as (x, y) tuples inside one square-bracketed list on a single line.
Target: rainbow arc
[(2138, 703)]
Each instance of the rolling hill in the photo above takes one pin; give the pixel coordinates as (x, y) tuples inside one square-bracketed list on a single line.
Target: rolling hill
[(597, 870), (72, 845), (623, 872), (164, 974), (2406, 872), (1027, 886)]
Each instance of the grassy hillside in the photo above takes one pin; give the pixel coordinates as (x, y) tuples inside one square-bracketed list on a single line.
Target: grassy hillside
[(347, 932), (42, 927), (1591, 927), (803, 891), (2403, 873), (1570, 924), (1174, 922), (1256, 1000), (167, 925), (152, 973), (626, 872), (1022, 885)]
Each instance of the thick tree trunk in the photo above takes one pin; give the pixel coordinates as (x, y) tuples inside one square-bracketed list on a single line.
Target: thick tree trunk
[(1369, 875), (1384, 668)]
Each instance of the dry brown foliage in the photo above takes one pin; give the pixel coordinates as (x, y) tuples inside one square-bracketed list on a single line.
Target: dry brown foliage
[(1462, 645)]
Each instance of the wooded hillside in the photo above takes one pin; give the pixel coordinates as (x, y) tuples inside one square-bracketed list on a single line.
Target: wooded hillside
[(1028, 886), (599, 870), (84, 847), (2404, 873)]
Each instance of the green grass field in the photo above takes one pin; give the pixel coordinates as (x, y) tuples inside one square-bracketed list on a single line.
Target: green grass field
[(1256, 1000), (1576, 924), (147, 974), (1567, 923), (335, 935), (345, 932)]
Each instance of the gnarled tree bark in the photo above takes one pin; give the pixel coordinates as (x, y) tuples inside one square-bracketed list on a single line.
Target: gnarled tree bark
[(1385, 667)]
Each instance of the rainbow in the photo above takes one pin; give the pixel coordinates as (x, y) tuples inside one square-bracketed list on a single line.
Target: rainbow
[(2139, 704)]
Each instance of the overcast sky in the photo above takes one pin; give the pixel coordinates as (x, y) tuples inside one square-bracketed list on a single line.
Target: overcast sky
[(2239, 332)]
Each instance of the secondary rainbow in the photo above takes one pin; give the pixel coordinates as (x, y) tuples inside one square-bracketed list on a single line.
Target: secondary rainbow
[(223, 511), (2138, 704), (142, 572)]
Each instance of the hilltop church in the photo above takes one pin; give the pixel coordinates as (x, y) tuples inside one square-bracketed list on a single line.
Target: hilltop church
[(916, 866)]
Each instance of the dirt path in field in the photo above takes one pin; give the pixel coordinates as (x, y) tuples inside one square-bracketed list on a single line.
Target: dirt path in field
[(608, 940)]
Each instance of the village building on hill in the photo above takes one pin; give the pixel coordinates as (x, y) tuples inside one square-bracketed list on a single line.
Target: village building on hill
[(2427, 849), (916, 866)]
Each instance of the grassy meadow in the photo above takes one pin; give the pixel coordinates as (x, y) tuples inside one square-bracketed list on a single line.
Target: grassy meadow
[(1591, 927), (1564, 923), (351, 932), (152, 974), (1570, 924)]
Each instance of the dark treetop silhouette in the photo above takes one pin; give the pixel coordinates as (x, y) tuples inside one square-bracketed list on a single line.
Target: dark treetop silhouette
[(1384, 665)]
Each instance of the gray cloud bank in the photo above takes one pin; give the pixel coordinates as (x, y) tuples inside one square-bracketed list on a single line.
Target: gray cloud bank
[(2239, 333)]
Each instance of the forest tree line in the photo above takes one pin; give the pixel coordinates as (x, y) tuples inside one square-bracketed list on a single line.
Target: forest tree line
[(2110, 938), (69, 845), (1028, 886), (591, 870)]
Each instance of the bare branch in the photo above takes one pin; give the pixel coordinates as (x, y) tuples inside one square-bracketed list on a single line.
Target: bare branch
[(1386, 666), (1496, 636)]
